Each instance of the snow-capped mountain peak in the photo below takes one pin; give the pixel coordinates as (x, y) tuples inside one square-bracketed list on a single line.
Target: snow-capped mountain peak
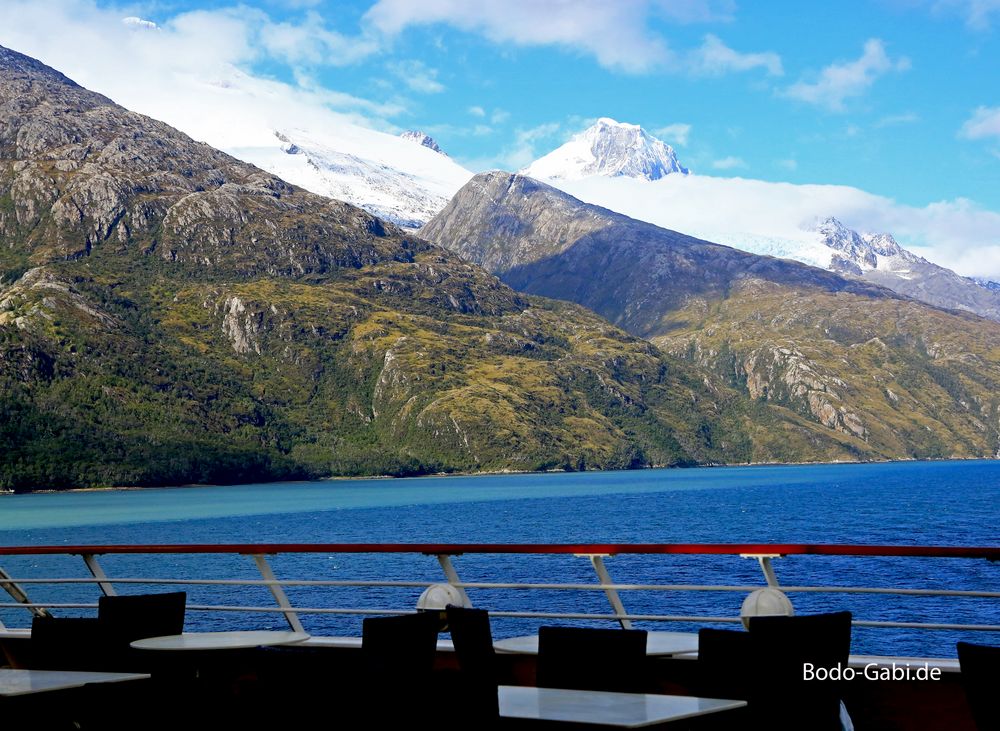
[(611, 149), (421, 138), (884, 244), (855, 253)]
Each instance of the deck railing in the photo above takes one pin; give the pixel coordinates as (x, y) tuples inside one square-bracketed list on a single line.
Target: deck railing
[(20, 587)]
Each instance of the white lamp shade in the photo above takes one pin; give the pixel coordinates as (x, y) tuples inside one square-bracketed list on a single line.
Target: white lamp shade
[(438, 596), (767, 602)]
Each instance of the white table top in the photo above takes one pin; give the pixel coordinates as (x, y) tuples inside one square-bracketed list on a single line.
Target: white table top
[(657, 643), (221, 640), (624, 710), (25, 682)]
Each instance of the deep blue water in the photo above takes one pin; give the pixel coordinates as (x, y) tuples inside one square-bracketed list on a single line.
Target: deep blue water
[(936, 503)]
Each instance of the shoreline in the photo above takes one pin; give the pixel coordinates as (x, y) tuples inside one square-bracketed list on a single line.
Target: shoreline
[(488, 473)]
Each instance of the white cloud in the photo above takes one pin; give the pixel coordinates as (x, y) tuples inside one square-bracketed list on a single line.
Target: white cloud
[(696, 11), (841, 81), (139, 23), (524, 148), (715, 58), (677, 133), (499, 116), (729, 163), (311, 42), (615, 33), (789, 163), (187, 72), (477, 111), (977, 13), (417, 76), (985, 122), (958, 234), (894, 120)]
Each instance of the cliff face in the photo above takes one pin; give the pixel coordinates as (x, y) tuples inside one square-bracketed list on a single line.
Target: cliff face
[(886, 375), (169, 314)]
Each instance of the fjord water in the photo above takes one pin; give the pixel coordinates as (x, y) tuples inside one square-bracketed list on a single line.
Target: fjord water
[(911, 503)]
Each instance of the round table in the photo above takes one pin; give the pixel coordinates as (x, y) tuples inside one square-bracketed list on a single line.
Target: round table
[(238, 640), (657, 643)]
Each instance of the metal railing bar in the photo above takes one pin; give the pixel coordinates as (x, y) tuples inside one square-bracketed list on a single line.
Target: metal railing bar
[(533, 615), (513, 585), (988, 552)]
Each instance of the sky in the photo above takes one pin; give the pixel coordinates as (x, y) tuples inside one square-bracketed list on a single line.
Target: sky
[(899, 98)]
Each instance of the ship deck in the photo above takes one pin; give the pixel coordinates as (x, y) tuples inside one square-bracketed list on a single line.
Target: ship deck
[(234, 681)]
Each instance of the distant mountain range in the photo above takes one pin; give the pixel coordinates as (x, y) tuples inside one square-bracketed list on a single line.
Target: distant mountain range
[(622, 167), (169, 314), (617, 165), (891, 376)]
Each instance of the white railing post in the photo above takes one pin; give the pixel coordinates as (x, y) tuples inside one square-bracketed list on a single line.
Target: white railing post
[(98, 573), (764, 559), (597, 561), (277, 592), (452, 575), (19, 595)]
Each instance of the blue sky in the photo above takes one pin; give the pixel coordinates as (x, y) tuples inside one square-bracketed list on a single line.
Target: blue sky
[(900, 98), (897, 97)]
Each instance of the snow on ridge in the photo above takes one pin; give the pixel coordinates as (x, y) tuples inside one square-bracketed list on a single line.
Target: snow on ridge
[(390, 177), (424, 139), (608, 148)]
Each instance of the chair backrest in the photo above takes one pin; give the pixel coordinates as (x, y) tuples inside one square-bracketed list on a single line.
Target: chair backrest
[(724, 663), (782, 648), (397, 660), (66, 643), (473, 640), (400, 649), (592, 659), (137, 616), (124, 619), (980, 666)]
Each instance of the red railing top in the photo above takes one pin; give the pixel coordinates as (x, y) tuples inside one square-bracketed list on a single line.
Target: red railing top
[(818, 549)]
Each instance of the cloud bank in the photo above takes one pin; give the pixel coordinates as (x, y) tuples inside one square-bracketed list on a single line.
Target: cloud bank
[(839, 82), (957, 234)]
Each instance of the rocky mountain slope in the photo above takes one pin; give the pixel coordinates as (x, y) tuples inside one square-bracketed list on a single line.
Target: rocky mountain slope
[(169, 314), (894, 377)]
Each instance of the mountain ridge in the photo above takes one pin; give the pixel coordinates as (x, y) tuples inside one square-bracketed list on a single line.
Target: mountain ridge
[(902, 378), (680, 206), (172, 315)]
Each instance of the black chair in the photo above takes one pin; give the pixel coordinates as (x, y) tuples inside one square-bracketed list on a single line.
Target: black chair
[(781, 697), (478, 678), (397, 661), (592, 659), (66, 643), (124, 619), (724, 664), (980, 666)]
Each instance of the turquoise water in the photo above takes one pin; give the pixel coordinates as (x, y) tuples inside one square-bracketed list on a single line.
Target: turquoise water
[(935, 503)]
